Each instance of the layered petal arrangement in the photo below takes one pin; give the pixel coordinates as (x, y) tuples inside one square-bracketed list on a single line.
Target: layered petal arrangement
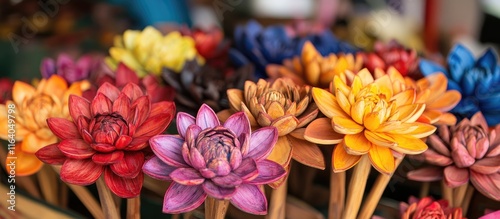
[(311, 68), (477, 80), (391, 54), (283, 105), (368, 119), (107, 136), (201, 84), (69, 69), (33, 105), (428, 208), (466, 152), (224, 161), (5, 90), (149, 51)]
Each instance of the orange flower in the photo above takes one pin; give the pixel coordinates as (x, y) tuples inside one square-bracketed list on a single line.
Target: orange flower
[(368, 118), (314, 69), (33, 105)]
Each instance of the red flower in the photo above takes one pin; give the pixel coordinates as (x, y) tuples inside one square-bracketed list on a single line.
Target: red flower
[(392, 54), (211, 45), (428, 208), (108, 135), (5, 89)]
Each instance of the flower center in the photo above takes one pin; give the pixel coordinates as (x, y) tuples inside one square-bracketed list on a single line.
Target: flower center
[(105, 129), (216, 146), (41, 107)]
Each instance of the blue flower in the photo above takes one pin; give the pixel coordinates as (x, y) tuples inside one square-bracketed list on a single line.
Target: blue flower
[(271, 45), (477, 80)]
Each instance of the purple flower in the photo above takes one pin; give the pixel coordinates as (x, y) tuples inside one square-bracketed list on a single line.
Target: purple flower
[(222, 161), (67, 68)]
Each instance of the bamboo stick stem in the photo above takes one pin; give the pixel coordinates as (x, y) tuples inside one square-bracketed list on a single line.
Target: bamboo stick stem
[(447, 192), (278, 202), (356, 188), (459, 194), (424, 190), (134, 208), (215, 209), (467, 198), (337, 195), (107, 202), (48, 184), (28, 184)]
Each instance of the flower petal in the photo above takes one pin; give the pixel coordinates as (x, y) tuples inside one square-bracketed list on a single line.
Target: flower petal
[(285, 124), (51, 154), (216, 191), (327, 103), (357, 144), (282, 152), (130, 165), (180, 198), (206, 117), (238, 123), (80, 172), (101, 105), (344, 125), (408, 145), (426, 174), (25, 163), (341, 160), (247, 170), (382, 159), (187, 176), (454, 176), (63, 128), (155, 125), (79, 106), (269, 171), (169, 149), (250, 199), (122, 106), (124, 187), (133, 91), (158, 169), (489, 165), (262, 142), (230, 180), (320, 131), (22, 91), (76, 149), (183, 121), (107, 158), (307, 153), (488, 185), (109, 91)]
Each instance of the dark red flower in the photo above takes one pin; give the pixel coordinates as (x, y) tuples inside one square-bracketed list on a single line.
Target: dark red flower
[(5, 89), (107, 136), (211, 45), (392, 54)]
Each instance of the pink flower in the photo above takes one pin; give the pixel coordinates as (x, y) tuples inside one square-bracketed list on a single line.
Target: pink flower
[(225, 161), (67, 68), (428, 208)]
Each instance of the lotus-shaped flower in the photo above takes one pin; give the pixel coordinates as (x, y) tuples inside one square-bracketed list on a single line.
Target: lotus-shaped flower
[(225, 161), (108, 136), (5, 89), (368, 118), (477, 80), (148, 51), (32, 107), (311, 68), (392, 54), (428, 208), (198, 84), (467, 151), (67, 68)]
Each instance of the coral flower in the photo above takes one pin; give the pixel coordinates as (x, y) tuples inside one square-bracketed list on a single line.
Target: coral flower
[(367, 118), (428, 208), (286, 106), (225, 161), (108, 136), (32, 107), (467, 151), (148, 51), (311, 68)]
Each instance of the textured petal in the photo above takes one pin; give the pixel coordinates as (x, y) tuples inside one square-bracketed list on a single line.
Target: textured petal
[(63, 128), (123, 187), (307, 153), (130, 165), (438, 145), (76, 149), (181, 199), (157, 169), (140, 110), (454, 177), (247, 170), (168, 148), (33, 142), (21, 91), (133, 91), (327, 103), (79, 106), (107, 158), (282, 152), (206, 117), (187, 176), (382, 159), (426, 174), (216, 191), (320, 131), (109, 91), (51, 154), (56, 85), (285, 124), (488, 185), (357, 144), (344, 125), (122, 106), (262, 142), (183, 121), (269, 171), (101, 105), (250, 199), (154, 125), (408, 145), (230, 180), (341, 160), (80, 172), (487, 165), (437, 159), (195, 158), (238, 123)]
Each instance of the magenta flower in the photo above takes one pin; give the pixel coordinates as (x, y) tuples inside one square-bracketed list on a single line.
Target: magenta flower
[(67, 68), (222, 161)]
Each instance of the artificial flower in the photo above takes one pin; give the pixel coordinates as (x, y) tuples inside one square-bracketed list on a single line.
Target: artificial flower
[(311, 68), (368, 119), (283, 105), (5, 89), (391, 54), (68, 68), (201, 84), (32, 106), (477, 80), (108, 136), (149, 51), (491, 215), (466, 152), (210, 44), (428, 208), (271, 45), (224, 161)]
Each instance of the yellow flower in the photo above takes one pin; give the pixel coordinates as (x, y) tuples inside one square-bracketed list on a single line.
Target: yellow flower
[(313, 69), (367, 118), (33, 105), (286, 106), (148, 51)]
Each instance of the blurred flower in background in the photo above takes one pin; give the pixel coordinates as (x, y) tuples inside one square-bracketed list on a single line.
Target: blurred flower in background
[(69, 69), (5, 89), (428, 208), (391, 54), (211, 45)]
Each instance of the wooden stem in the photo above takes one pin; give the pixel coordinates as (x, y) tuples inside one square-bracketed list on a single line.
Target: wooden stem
[(467, 198), (356, 188), (48, 184), (277, 204), (28, 184), (424, 190), (459, 194), (215, 209), (134, 208), (108, 205), (63, 195), (447, 192), (337, 195)]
